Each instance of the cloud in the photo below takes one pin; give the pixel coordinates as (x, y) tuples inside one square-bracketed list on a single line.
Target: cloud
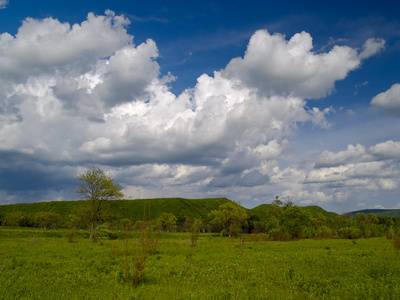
[(389, 100), (371, 47), (47, 45), (358, 168), (3, 4), (331, 159), (385, 150), (379, 206), (388, 184), (82, 95), (274, 65)]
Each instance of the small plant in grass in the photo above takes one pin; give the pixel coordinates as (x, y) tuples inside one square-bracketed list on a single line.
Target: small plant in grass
[(396, 241), (2, 267), (194, 231), (289, 278), (102, 233), (71, 235)]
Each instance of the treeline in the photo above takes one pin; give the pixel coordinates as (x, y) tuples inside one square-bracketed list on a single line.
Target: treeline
[(283, 221), (288, 221)]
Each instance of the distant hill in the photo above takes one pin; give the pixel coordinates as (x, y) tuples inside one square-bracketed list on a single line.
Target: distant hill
[(261, 211), (393, 213), (131, 209), (317, 209), (180, 207)]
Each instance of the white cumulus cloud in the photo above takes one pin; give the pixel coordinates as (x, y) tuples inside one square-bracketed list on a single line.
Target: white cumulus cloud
[(328, 158), (274, 65), (389, 100)]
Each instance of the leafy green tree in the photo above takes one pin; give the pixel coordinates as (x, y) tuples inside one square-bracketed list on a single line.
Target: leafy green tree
[(231, 217), (272, 228), (294, 220), (167, 221), (97, 187), (373, 219), (49, 219), (18, 218)]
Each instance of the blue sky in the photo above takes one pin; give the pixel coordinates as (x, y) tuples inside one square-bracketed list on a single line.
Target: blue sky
[(242, 99)]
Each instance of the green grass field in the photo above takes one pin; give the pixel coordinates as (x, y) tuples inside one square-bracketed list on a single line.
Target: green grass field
[(37, 264)]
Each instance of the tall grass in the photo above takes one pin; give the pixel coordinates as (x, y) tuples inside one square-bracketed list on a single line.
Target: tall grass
[(143, 246), (217, 268)]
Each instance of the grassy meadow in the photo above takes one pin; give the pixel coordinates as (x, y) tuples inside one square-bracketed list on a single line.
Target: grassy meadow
[(58, 264)]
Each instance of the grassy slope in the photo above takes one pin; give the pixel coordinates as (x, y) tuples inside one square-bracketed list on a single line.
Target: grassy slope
[(131, 209), (317, 209), (134, 209), (261, 210)]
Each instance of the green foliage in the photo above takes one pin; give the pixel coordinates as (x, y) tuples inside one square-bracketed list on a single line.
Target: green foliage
[(350, 232), (294, 221), (126, 224), (265, 210), (128, 209), (272, 219), (18, 218), (167, 221), (71, 235), (231, 217), (195, 231), (46, 220), (96, 187), (103, 232)]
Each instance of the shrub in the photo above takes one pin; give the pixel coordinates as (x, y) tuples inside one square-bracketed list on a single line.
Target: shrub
[(350, 233), (102, 232), (194, 231)]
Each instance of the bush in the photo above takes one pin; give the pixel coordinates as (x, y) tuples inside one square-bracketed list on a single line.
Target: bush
[(102, 232), (350, 233)]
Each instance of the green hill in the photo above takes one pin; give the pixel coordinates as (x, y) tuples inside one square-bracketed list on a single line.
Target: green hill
[(317, 209), (134, 209), (261, 211), (131, 209)]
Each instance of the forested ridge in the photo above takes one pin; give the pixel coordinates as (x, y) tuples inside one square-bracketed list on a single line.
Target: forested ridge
[(278, 220)]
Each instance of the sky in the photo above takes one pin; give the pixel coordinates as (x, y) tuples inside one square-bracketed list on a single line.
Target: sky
[(196, 99)]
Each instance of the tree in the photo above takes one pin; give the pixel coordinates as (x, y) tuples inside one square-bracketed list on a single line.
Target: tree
[(231, 217), (167, 221), (294, 220), (45, 220), (97, 187), (18, 218)]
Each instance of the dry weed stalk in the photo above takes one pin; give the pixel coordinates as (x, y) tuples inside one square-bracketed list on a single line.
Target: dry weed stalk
[(2, 267)]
